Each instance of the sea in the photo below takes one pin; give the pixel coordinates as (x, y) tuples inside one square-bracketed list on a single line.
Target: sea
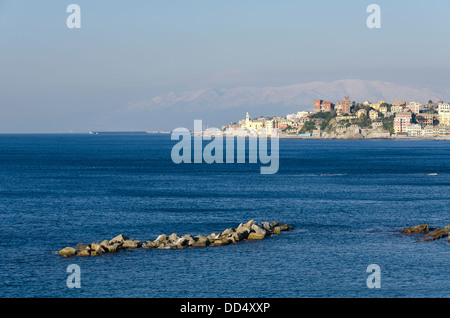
[(346, 199)]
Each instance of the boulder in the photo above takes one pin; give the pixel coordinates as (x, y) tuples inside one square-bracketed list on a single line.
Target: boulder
[(80, 247), (119, 239), (242, 233), (266, 226), (419, 229), (67, 251), (181, 242), (255, 236), (435, 235), (148, 244), (173, 237), (228, 232), (167, 246), (162, 238), (274, 224), (285, 227), (112, 248), (259, 230), (200, 241), (189, 239), (99, 249), (249, 223), (131, 244), (221, 242), (83, 253), (276, 230)]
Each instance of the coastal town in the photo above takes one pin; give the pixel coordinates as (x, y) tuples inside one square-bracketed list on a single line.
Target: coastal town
[(351, 120)]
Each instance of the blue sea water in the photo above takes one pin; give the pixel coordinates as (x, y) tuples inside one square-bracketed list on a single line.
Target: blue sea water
[(346, 199)]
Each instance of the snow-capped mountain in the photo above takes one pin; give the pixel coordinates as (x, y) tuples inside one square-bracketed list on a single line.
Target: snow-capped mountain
[(221, 106)]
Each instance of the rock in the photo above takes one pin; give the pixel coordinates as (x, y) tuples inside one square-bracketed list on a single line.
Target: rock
[(266, 226), (167, 246), (285, 227), (67, 251), (162, 238), (274, 224), (255, 236), (112, 248), (83, 253), (259, 230), (173, 237), (163, 246), (104, 243), (99, 249), (119, 239), (242, 233), (228, 232), (419, 229), (200, 241), (436, 234), (276, 230), (131, 244), (221, 242), (93, 245), (80, 247), (148, 244), (181, 242), (189, 240), (249, 223)]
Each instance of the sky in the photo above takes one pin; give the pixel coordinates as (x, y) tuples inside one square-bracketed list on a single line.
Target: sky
[(56, 79)]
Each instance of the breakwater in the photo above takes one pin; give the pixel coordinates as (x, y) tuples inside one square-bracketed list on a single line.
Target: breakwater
[(429, 233), (245, 231)]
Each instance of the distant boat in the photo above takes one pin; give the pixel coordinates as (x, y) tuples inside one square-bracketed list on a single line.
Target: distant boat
[(432, 174)]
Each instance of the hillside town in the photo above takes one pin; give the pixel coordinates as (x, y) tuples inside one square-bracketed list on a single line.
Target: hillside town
[(350, 120)]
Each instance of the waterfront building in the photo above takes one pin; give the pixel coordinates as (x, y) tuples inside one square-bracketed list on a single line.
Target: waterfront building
[(444, 114), (414, 130), (444, 130), (401, 122), (431, 131)]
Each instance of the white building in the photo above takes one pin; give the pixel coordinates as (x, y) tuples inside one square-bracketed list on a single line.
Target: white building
[(414, 130), (415, 107), (444, 114)]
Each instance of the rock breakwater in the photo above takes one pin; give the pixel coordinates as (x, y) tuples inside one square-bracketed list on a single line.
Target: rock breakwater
[(430, 233), (245, 231)]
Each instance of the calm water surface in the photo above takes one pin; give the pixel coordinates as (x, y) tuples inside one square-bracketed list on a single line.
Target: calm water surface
[(346, 199)]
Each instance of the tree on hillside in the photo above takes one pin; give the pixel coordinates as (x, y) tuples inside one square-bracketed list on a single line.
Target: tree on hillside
[(308, 126)]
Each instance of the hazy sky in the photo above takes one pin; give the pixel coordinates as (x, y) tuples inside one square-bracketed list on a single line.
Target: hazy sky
[(56, 79)]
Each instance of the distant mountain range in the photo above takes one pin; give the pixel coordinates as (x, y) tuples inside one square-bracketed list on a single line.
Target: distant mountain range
[(222, 106)]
